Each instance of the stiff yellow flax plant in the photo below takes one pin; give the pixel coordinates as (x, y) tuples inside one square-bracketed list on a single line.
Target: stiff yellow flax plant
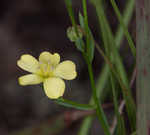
[(48, 70)]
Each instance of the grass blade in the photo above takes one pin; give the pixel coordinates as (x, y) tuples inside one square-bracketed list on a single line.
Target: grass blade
[(125, 30)]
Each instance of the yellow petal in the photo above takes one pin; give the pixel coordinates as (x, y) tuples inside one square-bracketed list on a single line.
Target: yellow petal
[(54, 87), (28, 63), (66, 70), (47, 57), (30, 79)]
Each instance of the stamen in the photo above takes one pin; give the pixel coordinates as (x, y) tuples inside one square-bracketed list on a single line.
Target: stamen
[(46, 69)]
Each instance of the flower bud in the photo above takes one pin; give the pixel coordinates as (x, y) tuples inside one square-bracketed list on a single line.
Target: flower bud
[(72, 35)]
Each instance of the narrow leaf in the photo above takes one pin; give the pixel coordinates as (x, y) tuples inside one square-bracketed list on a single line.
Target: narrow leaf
[(80, 44), (91, 46), (71, 104)]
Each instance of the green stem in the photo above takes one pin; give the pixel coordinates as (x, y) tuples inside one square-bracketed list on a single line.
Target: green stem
[(75, 105), (84, 3), (85, 13), (125, 30), (99, 110), (71, 14)]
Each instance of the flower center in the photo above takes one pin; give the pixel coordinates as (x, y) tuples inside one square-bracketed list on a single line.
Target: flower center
[(46, 70)]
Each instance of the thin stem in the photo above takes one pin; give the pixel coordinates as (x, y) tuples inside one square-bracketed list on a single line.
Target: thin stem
[(75, 105), (84, 3), (99, 110), (71, 14), (125, 30), (85, 13)]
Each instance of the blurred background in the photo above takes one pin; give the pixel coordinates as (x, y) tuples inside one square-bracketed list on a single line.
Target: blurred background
[(33, 26)]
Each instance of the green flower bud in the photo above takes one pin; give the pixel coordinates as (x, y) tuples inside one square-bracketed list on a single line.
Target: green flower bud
[(72, 35)]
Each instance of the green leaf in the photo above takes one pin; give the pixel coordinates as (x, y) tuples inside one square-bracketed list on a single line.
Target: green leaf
[(90, 47), (80, 44), (71, 104), (81, 20)]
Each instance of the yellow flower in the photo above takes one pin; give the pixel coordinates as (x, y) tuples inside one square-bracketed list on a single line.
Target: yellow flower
[(48, 70)]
